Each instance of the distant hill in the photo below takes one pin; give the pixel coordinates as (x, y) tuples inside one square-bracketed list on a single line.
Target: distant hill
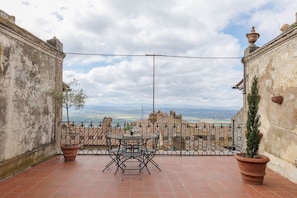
[(131, 113)]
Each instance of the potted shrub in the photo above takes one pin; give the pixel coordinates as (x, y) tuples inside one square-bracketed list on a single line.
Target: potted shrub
[(69, 98), (252, 165), (129, 129)]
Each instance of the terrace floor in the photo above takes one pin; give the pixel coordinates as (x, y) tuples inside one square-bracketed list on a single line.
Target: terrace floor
[(181, 176)]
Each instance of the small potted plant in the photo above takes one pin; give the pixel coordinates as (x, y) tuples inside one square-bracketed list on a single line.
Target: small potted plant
[(252, 165), (69, 98), (129, 129)]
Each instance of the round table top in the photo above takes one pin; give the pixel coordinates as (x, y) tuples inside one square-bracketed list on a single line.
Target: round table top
[(144, 136)]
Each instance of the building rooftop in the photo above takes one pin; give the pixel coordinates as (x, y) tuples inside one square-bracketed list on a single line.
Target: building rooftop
[(181, 176)]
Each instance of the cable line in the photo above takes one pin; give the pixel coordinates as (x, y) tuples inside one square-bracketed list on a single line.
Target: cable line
[(162, 55)]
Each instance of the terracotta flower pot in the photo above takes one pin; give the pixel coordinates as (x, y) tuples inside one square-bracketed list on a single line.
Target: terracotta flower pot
[(69, 152), (252, 169)]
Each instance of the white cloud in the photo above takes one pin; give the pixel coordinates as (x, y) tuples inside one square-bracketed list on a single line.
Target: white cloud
[(139, 27)]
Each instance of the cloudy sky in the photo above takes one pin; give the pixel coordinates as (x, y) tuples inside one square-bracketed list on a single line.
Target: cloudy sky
[(201, 42)]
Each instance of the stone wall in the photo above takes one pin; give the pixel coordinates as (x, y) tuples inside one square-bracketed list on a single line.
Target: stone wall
[(237, 130), (275, 65), (29, 121)]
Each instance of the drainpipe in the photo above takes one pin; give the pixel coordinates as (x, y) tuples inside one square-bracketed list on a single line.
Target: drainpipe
[(244, 74), (233, 134)]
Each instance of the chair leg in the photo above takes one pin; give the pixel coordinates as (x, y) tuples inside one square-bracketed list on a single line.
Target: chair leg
[(150, 159), (113, 160), (145, 165), (155, 164), (119, 164), (108, 165), (128, 170)]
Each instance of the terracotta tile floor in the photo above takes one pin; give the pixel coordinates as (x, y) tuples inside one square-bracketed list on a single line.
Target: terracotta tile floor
[(201, 176)]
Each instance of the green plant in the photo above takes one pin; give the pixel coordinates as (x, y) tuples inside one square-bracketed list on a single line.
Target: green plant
[(128, 127), (253, 121), (69, 98), (73, 98)]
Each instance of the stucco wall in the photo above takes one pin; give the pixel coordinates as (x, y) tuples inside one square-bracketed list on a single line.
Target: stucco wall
[(275, 64), (29, 68), (237, 127)]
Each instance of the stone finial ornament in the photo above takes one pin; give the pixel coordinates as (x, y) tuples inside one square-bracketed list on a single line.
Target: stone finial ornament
[(6, 16), (56, 43), (252, 36), (285, 27)]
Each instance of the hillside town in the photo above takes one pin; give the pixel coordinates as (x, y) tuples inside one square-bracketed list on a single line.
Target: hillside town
[(175, 134)]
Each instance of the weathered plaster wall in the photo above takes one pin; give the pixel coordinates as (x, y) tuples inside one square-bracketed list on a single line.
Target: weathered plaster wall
[(275, 64), (237, 125), (29, 68)]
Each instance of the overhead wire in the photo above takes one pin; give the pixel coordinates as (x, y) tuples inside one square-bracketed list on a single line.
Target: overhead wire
[(162, 55)]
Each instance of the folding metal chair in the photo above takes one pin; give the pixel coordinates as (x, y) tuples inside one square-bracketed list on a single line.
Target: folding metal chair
[(150, 150), (132, 153), (114, 152)]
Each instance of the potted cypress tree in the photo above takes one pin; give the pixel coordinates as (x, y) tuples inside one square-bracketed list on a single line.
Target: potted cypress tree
[(252, 165), (69, 98)]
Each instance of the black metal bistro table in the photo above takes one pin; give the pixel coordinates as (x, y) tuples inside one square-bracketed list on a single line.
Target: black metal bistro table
[(132, 147)]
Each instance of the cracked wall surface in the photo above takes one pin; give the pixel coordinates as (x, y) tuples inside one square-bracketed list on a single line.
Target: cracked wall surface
[(275, 65), (29, 121)]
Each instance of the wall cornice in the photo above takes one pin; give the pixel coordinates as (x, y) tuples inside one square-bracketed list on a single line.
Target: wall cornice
[(278, 41), (22, 35)]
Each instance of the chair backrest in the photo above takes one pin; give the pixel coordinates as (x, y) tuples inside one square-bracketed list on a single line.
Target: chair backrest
[(132, 146), (152, 143), (113, 141), (108, 142), (156, 141)]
